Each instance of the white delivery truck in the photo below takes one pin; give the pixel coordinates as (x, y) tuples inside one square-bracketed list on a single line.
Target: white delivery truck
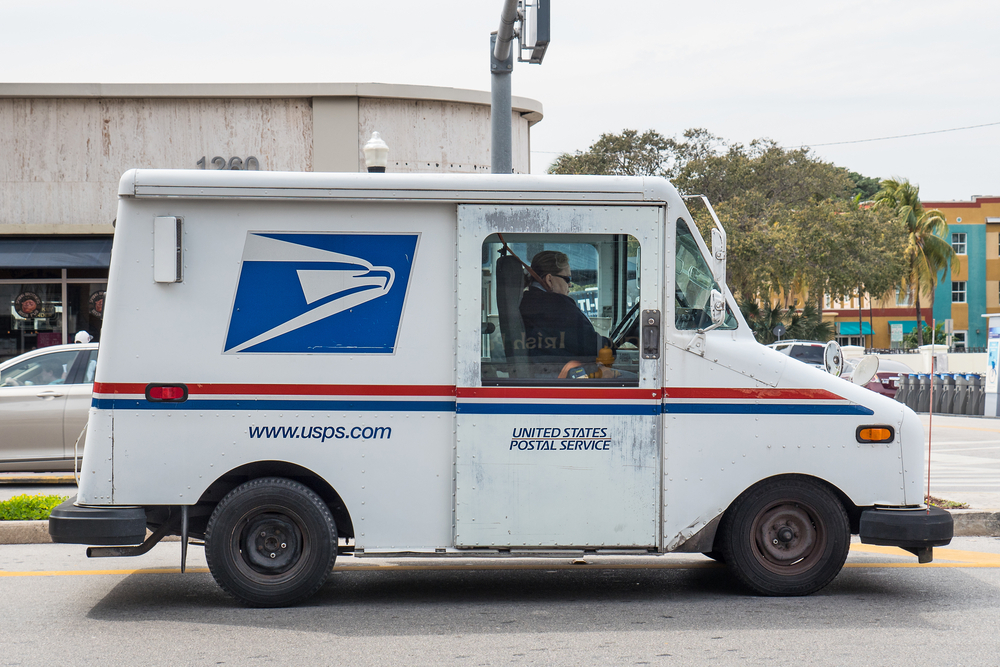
[(296, 366)]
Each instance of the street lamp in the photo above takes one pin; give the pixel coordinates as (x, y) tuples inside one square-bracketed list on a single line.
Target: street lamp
[(376, 154)]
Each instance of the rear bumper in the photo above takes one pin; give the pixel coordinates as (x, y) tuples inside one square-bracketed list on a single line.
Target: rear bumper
[(907, 528), (106, 526)]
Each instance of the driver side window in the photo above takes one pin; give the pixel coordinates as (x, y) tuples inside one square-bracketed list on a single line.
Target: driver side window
[(569, 318)]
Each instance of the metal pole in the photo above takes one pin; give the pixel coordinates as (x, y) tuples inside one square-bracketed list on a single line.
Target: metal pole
[(501, 161), (508, 16)]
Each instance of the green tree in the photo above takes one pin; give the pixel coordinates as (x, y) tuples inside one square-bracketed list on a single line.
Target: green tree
[(840, 248), (797, 214), (865, 188), (762, 318), (913, 338), (926, 252), (625, 154), (806, 324), (793, 221)]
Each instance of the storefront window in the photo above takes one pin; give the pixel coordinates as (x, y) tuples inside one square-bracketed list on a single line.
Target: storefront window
[(32, 317), (85, 308), (40, 312)]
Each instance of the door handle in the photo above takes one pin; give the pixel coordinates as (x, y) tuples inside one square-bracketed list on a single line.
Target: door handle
[(650, 334), (49, 393)]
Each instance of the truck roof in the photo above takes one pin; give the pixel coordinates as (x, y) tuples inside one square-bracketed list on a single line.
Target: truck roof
[(223, 184)]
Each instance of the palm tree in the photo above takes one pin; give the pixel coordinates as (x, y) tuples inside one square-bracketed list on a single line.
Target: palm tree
[(927, 248), (805, 325)]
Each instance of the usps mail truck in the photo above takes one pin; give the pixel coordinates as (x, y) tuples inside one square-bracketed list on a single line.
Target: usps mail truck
[(301, 366)]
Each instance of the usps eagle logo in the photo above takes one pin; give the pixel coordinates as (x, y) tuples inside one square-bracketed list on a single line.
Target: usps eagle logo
[(315, 293)]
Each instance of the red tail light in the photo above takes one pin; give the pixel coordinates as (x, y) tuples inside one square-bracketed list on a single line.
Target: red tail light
[(166, 393)]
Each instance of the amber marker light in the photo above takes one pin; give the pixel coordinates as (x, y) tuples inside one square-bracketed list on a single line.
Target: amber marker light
[(875, 434)]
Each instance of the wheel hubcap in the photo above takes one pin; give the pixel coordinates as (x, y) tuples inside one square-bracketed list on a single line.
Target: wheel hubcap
[(785, 534), (271, 543)]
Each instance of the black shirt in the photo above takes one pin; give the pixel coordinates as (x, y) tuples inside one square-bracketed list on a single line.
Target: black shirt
[(555, 330)]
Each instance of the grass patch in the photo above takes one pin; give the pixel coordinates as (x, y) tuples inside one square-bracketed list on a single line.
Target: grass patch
[(29, 508), (945, 504)]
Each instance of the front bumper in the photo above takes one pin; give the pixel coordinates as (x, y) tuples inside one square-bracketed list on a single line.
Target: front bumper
[(106, 526), (910, 529)]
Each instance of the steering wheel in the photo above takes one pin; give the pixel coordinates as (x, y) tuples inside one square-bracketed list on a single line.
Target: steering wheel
[(627, 328)]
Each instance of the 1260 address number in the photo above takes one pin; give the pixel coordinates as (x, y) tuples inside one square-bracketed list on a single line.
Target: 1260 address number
[(234, 163)]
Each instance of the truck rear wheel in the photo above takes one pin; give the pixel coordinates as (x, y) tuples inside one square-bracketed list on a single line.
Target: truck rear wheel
[(271, 542), (785, 536)]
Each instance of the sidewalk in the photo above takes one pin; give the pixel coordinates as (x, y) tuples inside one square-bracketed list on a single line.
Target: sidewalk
[(965, 459)]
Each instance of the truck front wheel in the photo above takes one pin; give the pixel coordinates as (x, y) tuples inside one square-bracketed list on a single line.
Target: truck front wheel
[(785, 536), (271, 542)]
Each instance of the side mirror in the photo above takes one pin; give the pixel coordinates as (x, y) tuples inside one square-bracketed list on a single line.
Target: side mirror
[(719, 256), (833, 358), (717, 302), (865, 370)]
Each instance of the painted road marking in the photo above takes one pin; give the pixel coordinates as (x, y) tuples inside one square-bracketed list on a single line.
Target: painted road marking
[(968, 428), (943, 558)]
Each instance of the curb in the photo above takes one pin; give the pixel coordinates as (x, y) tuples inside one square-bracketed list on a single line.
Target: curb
[(37, 532), (976, 523), (968, 523), (24, 532), (29, 478)]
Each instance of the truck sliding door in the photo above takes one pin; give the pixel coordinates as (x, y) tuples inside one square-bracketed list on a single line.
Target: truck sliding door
[(557, 445)]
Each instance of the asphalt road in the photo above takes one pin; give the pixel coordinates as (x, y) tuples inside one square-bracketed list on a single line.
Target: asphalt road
[(61, 608)]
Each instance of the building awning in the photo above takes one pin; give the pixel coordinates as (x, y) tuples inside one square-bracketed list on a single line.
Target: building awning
[(851, 329), (56, 253), (908, 325)]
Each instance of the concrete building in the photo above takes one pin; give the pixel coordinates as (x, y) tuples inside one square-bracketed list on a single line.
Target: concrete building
[(967, 290), (971, 288), (63, 148), (869, 322)]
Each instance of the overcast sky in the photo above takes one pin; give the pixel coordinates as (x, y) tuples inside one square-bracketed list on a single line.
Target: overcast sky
[(797, 72)]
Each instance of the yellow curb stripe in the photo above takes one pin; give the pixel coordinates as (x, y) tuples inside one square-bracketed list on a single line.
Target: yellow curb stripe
[(940, 553), (928, 565)]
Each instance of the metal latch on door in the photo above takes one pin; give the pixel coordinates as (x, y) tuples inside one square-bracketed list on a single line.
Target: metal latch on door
[(650, 334)]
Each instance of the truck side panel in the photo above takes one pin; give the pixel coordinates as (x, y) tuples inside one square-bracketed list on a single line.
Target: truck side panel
[(379, 427)]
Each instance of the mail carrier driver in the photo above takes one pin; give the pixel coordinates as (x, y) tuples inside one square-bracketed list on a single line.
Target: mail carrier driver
[(562, 333)]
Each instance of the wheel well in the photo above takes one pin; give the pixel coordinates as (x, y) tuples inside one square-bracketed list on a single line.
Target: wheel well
[(853, 511), (219, 488)]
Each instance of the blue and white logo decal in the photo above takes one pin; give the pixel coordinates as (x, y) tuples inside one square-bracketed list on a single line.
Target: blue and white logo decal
[(312, 293)]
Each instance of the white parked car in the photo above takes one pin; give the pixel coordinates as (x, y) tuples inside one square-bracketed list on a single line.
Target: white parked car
[(45, 399), (807, 351)]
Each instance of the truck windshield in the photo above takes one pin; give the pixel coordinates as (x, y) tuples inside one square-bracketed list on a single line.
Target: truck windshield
[(694, 284)]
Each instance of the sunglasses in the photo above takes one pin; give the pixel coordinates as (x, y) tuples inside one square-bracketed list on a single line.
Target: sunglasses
[(568, 279)]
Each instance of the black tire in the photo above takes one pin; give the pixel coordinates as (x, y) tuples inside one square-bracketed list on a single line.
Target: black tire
[(271, 542), (785, 536)]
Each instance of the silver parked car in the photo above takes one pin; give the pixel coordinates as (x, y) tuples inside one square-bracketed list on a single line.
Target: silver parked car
[(44, 402)]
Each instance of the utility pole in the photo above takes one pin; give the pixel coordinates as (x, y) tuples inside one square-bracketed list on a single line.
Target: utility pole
[(533, 35)]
